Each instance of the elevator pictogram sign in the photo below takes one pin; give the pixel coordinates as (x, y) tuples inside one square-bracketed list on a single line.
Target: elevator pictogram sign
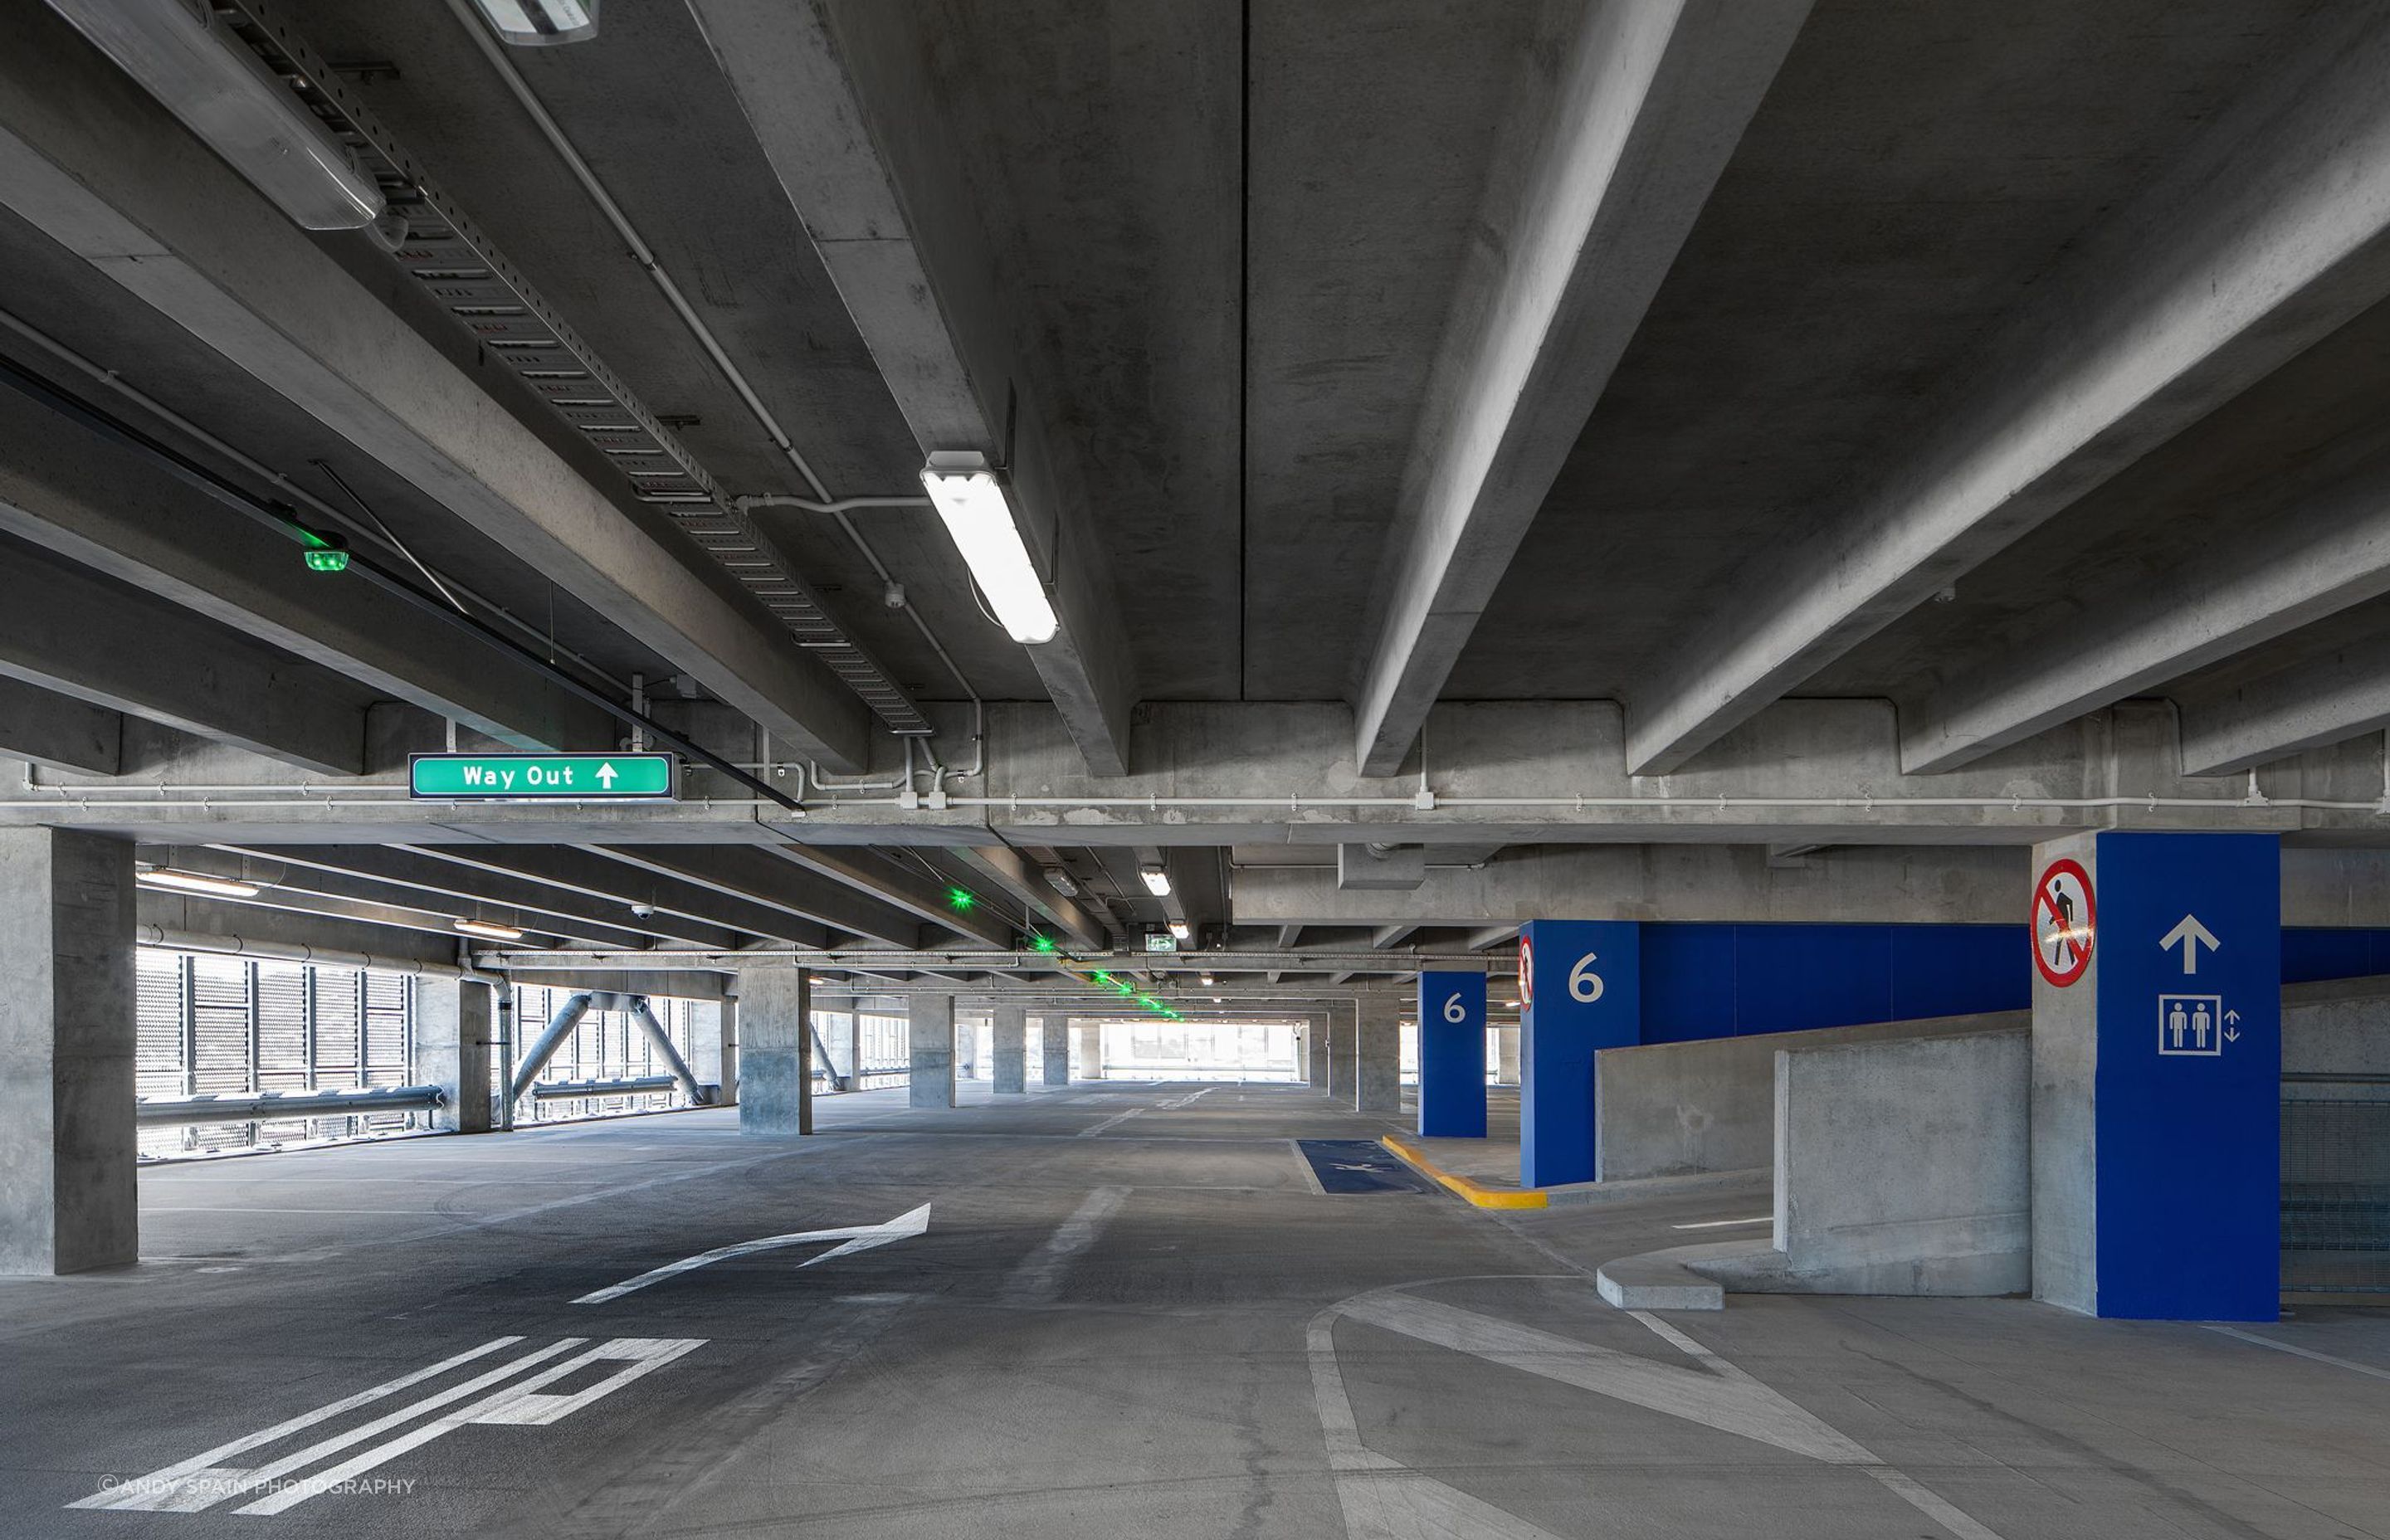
[(2065, 921)]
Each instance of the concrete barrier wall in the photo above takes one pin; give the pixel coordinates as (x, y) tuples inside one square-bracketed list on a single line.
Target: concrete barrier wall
[(1674, 1108), (2337, 1028), (1858, 1212)]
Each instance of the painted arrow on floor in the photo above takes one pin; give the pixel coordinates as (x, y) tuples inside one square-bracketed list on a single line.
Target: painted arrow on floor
[(857, 1237)]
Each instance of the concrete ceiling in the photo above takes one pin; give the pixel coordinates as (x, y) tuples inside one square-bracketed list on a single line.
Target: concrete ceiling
[(1216, 264)]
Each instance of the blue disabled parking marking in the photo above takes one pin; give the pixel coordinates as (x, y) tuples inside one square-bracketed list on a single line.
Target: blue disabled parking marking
[(1358, 1165)]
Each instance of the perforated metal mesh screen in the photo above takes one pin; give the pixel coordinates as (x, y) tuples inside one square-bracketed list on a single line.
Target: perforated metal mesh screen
[(2336, 1186)]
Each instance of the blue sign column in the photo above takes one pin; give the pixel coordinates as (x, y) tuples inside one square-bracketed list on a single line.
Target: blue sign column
[(1452, 1056), (1580, 991), (2157, 1059)]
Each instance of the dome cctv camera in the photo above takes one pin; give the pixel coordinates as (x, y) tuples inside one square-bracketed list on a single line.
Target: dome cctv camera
[(643, 910)]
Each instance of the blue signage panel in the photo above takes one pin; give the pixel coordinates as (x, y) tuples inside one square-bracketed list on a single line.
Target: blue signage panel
[(2188, 1084), (1452, 1056), (1580, 990)]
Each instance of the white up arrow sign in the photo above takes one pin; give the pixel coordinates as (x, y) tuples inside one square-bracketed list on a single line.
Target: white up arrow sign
[(606, 773), (859, 1238), (2190, 935)]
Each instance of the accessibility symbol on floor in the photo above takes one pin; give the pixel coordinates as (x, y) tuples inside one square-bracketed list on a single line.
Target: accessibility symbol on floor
[(338, 1461)]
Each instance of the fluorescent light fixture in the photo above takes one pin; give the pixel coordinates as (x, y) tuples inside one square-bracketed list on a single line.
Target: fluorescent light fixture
[(539, 23), (489, 930), (189, 60), (1511, 1005), (1207, 981), (197, 882), (1180, 929), (987, 529), (1157, 881), (1062, 883)]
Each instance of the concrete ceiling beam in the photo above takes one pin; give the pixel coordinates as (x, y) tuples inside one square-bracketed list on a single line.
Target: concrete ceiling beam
[(60, 731), (90, 160), (2301, 553), (2270, 234), (2310, 705), (594, 876), (753, 876), (1647, 105), (69, 491), (382, 870), (1017, 875), (65, 631), (1386, 936), (854, 134), (900, 886)]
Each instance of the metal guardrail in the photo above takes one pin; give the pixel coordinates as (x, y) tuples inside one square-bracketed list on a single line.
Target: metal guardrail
[(637, 1085), (268, 1106)]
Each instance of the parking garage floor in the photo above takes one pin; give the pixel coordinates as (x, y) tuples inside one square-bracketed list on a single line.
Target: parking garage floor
[(1129, 1310)]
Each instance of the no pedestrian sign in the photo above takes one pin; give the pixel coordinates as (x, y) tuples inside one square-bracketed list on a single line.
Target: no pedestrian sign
[(543, 777), (2065, 921)]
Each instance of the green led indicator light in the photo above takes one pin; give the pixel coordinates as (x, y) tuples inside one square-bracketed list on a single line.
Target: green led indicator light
[(1041, 944), (326, 553), (961, 899), (1124, 986)]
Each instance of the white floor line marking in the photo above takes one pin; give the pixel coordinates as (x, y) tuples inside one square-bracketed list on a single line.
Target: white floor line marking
[(1303, 1164), (175, 1473), (525, 1404), (1725, 1224), (1039, 1277), (1899, 1482), (857, 1237), (1116, 1118), (2303, 1352)]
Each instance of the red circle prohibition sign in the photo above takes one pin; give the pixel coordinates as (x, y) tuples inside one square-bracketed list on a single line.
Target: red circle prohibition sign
[(2065, 921), (1526, 973)]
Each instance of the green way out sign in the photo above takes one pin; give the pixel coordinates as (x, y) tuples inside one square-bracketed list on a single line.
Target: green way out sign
[(545, 777)]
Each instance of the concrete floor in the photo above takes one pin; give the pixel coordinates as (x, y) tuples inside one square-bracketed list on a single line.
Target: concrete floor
[(1131, 1314)]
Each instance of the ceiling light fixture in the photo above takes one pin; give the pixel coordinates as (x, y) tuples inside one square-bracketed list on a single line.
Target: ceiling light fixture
[(987, 529), (1062, 883), (196, 882), (541, 23), (1157, 881), (488, 930), (223, 93), (1180, 929)]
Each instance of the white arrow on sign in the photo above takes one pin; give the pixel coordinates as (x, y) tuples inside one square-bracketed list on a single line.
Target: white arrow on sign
[(606, 773), (859, 1238), (2232, 1026), (2190, 935)]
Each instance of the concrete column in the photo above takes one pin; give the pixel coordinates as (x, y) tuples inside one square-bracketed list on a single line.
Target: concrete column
[(1090, 1037), (1452, 1055), (713, 1047), (1314, 1050), (1010, 1049), (854, 1050), (1054, 1049), (932, 1018), (1378, 1070), (1506, 1055), (66, 1149), (776, 1051), (1342, 1089), (1580, 991), (2156, 1087), (453, 1028)]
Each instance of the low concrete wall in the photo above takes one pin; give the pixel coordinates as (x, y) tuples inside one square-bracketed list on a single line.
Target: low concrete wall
[(1858, 1211), (1674, 1108), (2340, 1026)]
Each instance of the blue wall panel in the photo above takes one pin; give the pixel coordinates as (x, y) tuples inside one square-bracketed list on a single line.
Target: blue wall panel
[(1730, 980)]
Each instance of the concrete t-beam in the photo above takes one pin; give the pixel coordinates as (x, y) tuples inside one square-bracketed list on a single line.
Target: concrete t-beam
[(92, 161), (378, 873), (594, 876), (2273, 232), (753, 876), (68, 489), (2305, 705), (66, 630), (58, 731), (878, 192), (1019, 876), (1647, 104), (2284, 566), (873, 875)]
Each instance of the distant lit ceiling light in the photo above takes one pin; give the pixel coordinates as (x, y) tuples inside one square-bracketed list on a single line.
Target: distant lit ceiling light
[(1207, 981), (488, 930), (1511, 1005), (189, 60), (540, 23), (1180, 931), (196, 882), (987, 529), (1157, 881)]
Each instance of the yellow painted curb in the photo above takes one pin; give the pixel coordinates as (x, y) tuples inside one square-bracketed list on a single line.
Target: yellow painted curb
[(1476, 1192)]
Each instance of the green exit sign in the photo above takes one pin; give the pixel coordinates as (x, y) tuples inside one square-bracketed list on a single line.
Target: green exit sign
[(545, 777)]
